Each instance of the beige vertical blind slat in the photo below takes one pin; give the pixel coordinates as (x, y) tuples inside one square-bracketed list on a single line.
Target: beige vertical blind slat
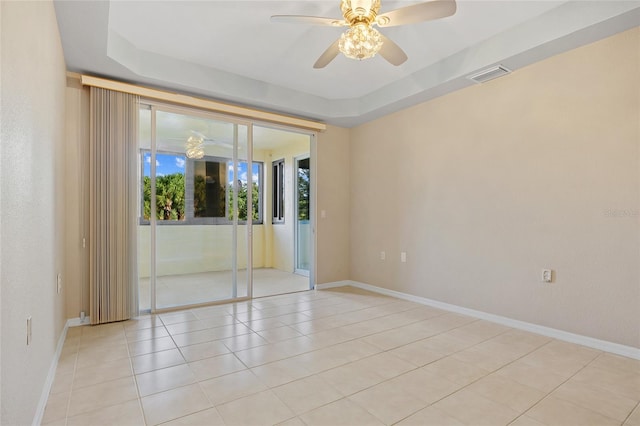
[(113, 206)]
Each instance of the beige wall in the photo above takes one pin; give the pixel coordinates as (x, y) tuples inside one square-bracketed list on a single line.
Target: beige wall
[(332, 164), (485, 187), (32, 202), (77, 201)]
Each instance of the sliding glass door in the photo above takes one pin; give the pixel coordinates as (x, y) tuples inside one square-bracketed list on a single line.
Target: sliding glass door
[(196, 208)]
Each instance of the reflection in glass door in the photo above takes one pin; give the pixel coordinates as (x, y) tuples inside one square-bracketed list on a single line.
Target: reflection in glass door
[(303, 233), (193, 232)]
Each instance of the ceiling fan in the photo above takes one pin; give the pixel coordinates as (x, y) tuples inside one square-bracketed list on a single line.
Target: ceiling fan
[(361, 40)]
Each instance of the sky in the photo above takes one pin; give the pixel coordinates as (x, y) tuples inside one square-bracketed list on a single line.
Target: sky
[(167, 164)]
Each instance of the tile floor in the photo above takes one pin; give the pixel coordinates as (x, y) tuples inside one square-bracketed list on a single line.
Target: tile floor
[(334, 357), (202, 287)]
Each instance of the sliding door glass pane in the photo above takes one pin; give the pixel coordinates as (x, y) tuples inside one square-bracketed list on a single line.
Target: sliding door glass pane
[(241, 177), (144, 235), (195, 256)]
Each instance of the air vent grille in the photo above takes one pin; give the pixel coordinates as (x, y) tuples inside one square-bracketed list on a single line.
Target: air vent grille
[(489, 74)]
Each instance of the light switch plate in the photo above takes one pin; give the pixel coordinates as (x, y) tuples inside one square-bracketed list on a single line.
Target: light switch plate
[(28, 330)]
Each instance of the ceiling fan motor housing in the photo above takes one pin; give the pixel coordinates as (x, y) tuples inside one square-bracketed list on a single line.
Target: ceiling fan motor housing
[(356, 11)]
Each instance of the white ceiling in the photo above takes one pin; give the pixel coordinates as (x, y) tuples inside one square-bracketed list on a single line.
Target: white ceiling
[(229, 50)]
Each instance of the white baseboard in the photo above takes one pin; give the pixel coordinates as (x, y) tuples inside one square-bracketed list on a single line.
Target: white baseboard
[(76, 322), (603, 345), (333, 285), (44, 396)]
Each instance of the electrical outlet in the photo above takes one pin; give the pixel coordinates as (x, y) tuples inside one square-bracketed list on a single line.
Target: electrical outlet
[(547, 276), (383, 255), (403, 257), (59, 283)]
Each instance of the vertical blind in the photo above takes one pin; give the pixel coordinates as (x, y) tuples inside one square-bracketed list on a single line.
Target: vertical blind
[(113, 206)]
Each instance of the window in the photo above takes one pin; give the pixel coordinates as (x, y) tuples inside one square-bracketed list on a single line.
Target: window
[(278, 191), (199, 191), (210, 183), (243, 188), (304, 180), (170, 187)]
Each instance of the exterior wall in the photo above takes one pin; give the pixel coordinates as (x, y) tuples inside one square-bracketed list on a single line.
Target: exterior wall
[(485, 187), (186, 249), (32, 200)]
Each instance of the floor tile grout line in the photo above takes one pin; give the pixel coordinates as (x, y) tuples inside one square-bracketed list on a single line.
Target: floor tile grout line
[(75, 367), (144, 414), (358, 338), (67, 417), (406, 372), (391, 300), (637, 407), (376, 318), (232, 315), (133, 375), (313, 374), (302, 312), (602, 353), (104, 407), (480, 378), (384, 331), (555, 388), (361, 338)]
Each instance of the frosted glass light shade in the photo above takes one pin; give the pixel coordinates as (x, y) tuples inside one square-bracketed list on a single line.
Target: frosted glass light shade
[(360, 42)]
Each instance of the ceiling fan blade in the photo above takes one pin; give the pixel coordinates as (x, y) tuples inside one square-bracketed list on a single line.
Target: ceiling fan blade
[(198, 134), (417, 13), (392, 52), (309, 20), (328, 56)]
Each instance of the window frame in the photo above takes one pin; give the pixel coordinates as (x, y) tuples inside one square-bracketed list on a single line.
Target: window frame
[(189, 179), (278, 192)]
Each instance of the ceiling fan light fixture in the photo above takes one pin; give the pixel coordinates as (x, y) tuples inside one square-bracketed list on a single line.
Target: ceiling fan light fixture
[(361, 41), (195, 147)]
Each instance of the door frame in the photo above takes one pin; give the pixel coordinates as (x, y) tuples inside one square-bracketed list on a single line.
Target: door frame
[(160, 106), (157, 105), (313, 137)]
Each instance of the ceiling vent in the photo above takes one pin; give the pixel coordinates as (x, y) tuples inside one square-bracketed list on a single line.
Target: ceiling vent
[(489, 74)]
